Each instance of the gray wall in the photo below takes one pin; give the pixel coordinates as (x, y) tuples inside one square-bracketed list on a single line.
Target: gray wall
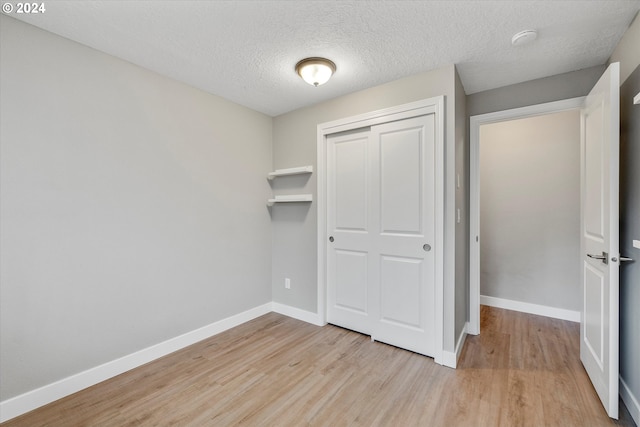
[(294, 144), (630, 230), (132, 205), (530, 210), (549, 89), (133, 208), (462, 203), (628, 54), (103, 163)]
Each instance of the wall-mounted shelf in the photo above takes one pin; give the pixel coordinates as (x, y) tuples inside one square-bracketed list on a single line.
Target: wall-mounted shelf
[(290, 171), (290, 199)]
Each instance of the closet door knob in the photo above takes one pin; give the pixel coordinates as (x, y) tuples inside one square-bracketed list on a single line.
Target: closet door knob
[(331, 239), (426, 247)]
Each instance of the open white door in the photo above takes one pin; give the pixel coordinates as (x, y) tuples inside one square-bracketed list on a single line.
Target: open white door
[(599, 158)]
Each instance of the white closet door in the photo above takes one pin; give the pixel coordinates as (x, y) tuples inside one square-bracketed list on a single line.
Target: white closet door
[(349, 225), (404, 223), (381, 216)]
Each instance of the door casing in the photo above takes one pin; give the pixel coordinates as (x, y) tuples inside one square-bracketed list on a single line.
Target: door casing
[(433, 105), (474, 188)]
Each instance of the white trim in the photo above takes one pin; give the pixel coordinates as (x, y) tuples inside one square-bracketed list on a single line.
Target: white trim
[(321, 206), (31, 400), (413, 109), (461, 340), (630, 401), (296, 313), (525, 307), (404, 111), (474, 188), (450, 359)]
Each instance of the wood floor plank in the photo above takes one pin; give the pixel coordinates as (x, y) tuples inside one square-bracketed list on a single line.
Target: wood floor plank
[(523, 370)]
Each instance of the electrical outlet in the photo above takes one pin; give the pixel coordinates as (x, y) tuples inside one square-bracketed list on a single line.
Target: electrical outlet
[(287, 283)]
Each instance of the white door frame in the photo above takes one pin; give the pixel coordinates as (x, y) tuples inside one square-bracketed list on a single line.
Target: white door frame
[(474, 188), (405, 111)]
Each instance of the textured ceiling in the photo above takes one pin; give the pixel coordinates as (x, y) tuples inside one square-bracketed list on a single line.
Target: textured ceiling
[(245, 51)]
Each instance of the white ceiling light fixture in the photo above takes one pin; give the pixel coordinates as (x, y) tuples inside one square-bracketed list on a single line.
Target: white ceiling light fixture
[(315, 71), (524, 37)]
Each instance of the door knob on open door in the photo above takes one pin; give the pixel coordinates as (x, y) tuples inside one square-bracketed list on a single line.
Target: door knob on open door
[(622, 259), (604, 257)]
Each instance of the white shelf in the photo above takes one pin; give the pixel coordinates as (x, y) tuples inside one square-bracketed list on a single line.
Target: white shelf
[(290, 199), (290, 171)]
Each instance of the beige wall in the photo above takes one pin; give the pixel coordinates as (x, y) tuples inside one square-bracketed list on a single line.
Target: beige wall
[(133, 208)]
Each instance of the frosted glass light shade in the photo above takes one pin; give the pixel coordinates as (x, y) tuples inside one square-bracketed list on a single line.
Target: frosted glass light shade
[(315, 71)]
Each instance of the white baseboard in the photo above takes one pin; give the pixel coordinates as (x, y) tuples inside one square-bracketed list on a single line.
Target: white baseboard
[(461, 339), (296, 313), (630, 401), (525, 307), (31, 400), (450, 358)]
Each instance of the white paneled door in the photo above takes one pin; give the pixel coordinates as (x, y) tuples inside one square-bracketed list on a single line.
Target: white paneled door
[(349, 263), (599, 237), (381, 230)]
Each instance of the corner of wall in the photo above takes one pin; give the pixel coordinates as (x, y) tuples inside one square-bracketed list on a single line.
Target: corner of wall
[(627, 52), (462, 207)]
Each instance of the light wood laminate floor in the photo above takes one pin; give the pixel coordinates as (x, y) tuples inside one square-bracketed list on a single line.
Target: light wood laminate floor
[(523, 370)]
